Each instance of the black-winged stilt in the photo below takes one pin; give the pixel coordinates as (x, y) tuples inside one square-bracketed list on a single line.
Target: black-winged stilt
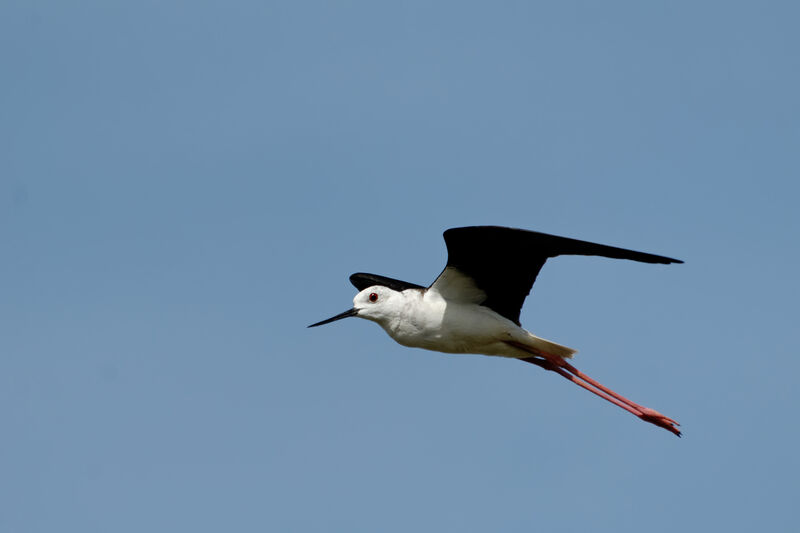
[(474, 304)]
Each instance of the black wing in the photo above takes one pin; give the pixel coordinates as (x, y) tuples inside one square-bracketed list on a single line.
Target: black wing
[(504, 262), (362, 280)]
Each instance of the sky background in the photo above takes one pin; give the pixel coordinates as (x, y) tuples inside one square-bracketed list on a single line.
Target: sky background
[(185, 186)]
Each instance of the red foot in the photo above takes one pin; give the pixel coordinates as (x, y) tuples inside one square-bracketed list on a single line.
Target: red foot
[(654, 417)]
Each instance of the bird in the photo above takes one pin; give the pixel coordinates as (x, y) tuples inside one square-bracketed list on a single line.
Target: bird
[(474, 305)]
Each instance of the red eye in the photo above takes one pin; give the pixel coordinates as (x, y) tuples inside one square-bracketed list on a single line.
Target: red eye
[(373, 297)]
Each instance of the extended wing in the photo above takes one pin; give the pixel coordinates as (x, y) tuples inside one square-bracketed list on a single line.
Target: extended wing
[(502, 264)]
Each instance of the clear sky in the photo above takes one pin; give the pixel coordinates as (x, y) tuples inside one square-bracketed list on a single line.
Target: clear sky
[(185, 186)]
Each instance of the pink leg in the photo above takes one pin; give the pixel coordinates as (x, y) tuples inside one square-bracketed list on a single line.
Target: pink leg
[(647, 413), (564, 369), (547, 365)]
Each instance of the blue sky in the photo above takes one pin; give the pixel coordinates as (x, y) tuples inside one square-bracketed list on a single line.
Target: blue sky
[(184, 187)]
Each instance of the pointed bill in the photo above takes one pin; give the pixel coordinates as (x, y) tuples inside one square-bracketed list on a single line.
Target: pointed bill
[(349, 312)]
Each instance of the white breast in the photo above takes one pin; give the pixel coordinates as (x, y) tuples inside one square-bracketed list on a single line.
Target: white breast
[(429, 321)]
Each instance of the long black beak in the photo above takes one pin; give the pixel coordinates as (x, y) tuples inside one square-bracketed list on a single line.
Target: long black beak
[(349, 312)]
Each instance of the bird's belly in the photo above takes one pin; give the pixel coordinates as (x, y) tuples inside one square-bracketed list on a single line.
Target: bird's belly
[(474, 345), (457, 333)]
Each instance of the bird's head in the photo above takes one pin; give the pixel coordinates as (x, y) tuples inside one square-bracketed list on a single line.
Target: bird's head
[(376, 303)]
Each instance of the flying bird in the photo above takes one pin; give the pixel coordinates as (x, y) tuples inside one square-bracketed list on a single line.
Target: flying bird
[(474, 304)]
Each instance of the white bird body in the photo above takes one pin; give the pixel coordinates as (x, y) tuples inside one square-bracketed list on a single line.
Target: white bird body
[(420, 318)]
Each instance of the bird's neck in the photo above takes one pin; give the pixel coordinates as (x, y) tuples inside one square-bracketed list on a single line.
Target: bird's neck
[(417, 315)]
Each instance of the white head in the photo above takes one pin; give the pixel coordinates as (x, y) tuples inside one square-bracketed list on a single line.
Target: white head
[(376, 303)]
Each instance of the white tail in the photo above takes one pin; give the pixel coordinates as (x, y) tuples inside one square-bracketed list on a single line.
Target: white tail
[(550, 347)]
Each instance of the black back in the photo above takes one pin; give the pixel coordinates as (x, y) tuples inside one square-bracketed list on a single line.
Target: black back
[(362, 280)]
